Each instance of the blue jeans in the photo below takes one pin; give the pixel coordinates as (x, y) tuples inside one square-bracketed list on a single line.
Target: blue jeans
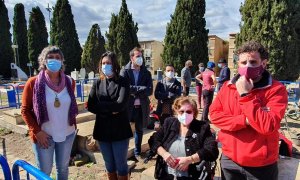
[(62, 150), (115, 156), (137, 117)]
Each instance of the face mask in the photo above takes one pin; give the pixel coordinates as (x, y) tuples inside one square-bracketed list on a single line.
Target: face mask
[(53, 65), (220, 65), (107, 69), (251, 72), (139, 61), (185, 118), (170, 74), (201, 69)]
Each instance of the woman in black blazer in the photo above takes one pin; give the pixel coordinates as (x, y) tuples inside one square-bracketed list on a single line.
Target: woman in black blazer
[(166, 91), (108, 99)]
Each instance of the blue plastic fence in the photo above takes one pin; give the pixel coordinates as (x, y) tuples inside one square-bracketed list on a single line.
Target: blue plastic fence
[(31, 170), (5, 168)]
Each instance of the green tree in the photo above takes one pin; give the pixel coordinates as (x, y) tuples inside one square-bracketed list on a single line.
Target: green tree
[(37, 35), (122, 36), (6, 52), (273, 23), (20, 37), (186, 35), (112, 34), (93, 49), (64, 35)]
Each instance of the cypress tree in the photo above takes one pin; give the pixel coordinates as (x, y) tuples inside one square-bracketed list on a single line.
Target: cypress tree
[(122, 36), (20, 37), (6, 52), (37, 35), (186, 35), (112, 34), (273, 24), (93, 49), (64, 35)]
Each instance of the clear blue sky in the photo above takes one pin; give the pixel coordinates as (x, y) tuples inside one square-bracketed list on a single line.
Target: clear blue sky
[(152, 16)]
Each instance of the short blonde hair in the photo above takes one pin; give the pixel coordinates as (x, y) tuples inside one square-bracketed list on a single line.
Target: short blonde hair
[(185, 100), (42, 59)]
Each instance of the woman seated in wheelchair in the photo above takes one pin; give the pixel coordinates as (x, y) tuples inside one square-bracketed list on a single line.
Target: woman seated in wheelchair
[(182, 143)]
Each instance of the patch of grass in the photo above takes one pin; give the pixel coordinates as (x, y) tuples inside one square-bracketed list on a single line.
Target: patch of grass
[(4, 131)]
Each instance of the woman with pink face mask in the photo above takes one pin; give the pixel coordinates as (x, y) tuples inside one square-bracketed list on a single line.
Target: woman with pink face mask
[(183, 143)]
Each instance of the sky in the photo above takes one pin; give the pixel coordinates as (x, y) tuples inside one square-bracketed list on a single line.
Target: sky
[(222, 16)]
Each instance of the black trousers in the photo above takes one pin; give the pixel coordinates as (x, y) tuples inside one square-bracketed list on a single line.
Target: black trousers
[(207, 100), (187, 91), (232, 171)]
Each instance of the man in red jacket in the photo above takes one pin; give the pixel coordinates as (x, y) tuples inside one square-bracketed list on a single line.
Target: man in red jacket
[(248, 111)]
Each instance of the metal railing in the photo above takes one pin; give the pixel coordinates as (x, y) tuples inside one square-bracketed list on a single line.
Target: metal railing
[(5, 168), (31, 170)]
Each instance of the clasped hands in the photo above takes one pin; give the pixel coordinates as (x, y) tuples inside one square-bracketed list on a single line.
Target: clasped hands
[(179, 163)]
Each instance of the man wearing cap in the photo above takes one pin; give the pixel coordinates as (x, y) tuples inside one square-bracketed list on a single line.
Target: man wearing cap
[(248, 111), (224, 73), (186, 77)]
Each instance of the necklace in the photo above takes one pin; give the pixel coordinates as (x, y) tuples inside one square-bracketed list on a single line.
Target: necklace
[(56, 101)]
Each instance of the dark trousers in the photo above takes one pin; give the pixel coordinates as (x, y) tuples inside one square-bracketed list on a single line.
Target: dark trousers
[(232, 171), (187, 91), (207, 100), (137, 118)]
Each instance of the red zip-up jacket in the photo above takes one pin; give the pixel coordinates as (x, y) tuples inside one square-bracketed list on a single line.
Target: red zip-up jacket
[(256, 144)]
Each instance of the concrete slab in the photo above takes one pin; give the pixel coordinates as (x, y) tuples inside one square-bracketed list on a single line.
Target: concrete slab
[(13, 116), (21, 129), (85, 116)]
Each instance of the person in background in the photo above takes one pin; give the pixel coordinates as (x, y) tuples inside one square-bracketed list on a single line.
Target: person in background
[(166, 91), (141, 87), (199, 85), (108, 99), (49, 109), (209, 83), (224, 73), (182, 143), (186, 78), (248, 110)]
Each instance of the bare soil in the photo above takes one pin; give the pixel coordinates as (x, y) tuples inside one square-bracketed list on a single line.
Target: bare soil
[(20, 147)]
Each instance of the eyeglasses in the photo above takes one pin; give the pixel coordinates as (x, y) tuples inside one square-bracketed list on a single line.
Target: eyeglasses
[(188, 112)]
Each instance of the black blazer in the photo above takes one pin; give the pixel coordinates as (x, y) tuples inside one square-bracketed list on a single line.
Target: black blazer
[(108, 99), (162, 94), (198, 140)]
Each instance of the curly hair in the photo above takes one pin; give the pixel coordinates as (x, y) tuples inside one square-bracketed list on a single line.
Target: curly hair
[(42, 59), (185, 100), (253, 46)]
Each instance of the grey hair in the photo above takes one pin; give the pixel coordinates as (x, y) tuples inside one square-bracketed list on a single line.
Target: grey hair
[(42, 59)]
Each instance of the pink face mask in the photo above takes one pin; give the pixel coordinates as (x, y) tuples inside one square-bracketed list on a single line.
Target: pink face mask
[(251, 72)]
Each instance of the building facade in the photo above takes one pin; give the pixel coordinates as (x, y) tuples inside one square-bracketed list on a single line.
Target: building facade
[(152, 55)]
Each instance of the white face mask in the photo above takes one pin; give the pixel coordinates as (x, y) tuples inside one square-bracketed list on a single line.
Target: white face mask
[(170, 74), (185, 118), (139, 61)]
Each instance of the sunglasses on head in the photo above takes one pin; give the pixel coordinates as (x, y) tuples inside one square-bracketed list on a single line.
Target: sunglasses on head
[(188, 112)]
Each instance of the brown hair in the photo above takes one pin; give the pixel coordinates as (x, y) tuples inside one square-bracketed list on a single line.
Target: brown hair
[(115, 65), (253, 46), (183, 100), (131, 53)]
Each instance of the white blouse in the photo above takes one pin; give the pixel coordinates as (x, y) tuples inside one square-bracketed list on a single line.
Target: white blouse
[(58, 125)]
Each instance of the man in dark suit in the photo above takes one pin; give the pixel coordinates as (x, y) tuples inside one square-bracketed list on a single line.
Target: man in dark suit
[(224, 73), (141, 88)]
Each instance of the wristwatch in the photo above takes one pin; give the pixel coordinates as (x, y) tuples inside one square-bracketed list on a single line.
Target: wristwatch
[(244, 94)]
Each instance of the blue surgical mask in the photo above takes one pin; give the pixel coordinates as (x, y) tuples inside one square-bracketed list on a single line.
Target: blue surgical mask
[(220, 65), (107, 69), (53, 65), (201, 69), (139, 61)]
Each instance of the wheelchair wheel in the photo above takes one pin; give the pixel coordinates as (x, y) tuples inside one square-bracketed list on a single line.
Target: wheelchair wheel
[(293, 114)]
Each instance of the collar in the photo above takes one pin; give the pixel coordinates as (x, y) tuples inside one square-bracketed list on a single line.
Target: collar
[(264, 82)]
